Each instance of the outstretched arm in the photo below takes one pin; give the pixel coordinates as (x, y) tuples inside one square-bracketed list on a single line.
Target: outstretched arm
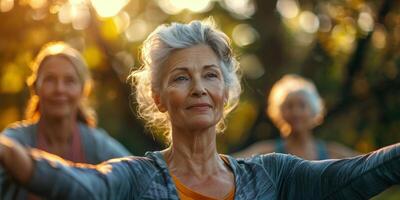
[(16, 160), (360, 177), (50, 176)]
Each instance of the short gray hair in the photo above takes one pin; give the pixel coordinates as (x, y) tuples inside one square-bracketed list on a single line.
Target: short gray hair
[(290, 84), (156, 49)]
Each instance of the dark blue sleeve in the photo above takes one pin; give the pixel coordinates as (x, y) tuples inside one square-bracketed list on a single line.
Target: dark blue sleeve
[(360, 177), (123, 178)]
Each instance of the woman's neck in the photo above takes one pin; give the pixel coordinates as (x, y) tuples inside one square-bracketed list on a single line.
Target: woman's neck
[(302, 145), (57, 131), (193, 152), (300, 138)]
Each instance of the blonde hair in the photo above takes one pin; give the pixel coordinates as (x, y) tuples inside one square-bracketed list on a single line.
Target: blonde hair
[(287, 85), (85, 113), (156, 49)]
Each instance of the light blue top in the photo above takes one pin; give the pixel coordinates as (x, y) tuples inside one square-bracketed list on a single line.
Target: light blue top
[(322, 150), (97, 145), (270, 176)]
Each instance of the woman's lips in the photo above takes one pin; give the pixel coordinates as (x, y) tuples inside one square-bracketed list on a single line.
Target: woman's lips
[(199, 107)]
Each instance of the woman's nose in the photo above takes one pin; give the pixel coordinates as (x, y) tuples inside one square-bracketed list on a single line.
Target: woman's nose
[(60, 86), (198, 89)]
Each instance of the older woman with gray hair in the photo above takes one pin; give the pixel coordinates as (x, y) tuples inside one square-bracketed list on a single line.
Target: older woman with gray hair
[(296, 108), (186, 87)]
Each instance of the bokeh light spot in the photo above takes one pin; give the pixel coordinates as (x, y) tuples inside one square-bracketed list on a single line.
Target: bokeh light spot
[(244, 34), (252, 66), (107, 8), (365, 22), (379, 38), (287, 8), (309, 22), (122, 21), (137, 31), (6, 5), (240, 8), (36, 4)]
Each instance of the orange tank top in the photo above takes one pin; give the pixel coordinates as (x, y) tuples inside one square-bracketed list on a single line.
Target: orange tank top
[(186, 193)]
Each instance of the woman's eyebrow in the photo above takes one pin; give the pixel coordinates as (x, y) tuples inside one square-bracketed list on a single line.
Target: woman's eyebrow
[(185, 69), (210, 66), (179, 69)]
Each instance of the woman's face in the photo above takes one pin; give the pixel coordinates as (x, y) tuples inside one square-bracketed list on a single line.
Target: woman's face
[(192, 88), (297, 112), (58, 87)]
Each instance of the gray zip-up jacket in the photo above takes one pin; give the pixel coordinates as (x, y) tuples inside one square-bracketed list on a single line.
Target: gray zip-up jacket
[(270, 176)]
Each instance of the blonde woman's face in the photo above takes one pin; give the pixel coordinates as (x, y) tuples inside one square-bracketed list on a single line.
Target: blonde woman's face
[(59, 88), (193, 90), (297, 113)]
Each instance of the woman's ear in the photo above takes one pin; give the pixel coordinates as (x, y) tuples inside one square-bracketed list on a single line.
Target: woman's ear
[(158, 102)]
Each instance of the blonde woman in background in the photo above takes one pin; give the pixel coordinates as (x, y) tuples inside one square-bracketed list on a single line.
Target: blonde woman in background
[(296, 108), (58, 119)]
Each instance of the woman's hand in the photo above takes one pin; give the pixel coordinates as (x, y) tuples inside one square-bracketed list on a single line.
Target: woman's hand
[(15, 159)]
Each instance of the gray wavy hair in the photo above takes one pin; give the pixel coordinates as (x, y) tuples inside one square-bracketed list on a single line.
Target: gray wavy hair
[(290, 84), (157, 48)]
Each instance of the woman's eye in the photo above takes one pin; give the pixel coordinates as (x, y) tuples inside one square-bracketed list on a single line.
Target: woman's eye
[(211, 75), (49, 79), (181, 78), (70, 80)]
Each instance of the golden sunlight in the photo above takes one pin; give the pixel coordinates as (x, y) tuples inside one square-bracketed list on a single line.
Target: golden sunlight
[(107, 8), (64, 14), (194, 5), (137, 30), (11, 80), (6, 5), (174, 7), (168, 7), (81, 17), (36, 4), (56, 48), (343, 36), (122, 21), (241, 8), (76, 12)]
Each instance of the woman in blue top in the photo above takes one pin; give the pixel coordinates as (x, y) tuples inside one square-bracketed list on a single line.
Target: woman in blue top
[(58, 119), (187, 85), (296, 108)]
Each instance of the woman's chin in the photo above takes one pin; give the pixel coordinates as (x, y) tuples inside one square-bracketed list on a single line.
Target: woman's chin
[(201, 124), (58, 114), (300, 130)]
